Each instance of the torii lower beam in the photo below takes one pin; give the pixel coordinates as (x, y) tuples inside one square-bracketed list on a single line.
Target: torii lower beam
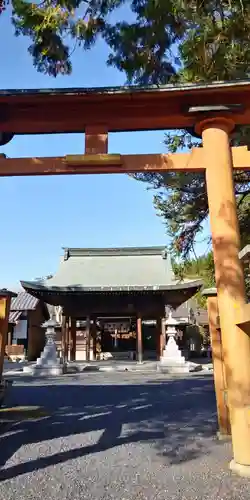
[(115, 163)]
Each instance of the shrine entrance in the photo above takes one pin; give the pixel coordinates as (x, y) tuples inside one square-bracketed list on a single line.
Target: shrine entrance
[(118, 335), (211, 112)]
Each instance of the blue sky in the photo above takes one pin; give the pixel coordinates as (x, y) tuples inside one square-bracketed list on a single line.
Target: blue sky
[(42, 214)]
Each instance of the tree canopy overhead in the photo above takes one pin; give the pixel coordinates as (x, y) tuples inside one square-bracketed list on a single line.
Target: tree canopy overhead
[(166, 41), (187, 39)]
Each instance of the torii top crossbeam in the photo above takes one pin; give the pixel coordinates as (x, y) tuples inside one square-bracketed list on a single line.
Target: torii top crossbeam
[(46, 111), (102, 110)]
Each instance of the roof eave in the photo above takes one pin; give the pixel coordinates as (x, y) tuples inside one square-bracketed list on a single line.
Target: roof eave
[(44, 288)]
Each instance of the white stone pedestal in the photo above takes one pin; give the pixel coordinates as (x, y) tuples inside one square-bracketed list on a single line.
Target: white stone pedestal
[(48, 363), (172, 360)]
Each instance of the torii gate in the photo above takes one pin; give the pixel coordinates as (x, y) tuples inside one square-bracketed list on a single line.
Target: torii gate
[(211, 112)]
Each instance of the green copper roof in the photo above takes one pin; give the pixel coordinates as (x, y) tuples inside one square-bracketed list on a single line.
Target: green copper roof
[(113, 269)]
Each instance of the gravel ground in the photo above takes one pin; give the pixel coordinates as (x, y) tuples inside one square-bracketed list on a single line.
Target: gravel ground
[(122, 436)]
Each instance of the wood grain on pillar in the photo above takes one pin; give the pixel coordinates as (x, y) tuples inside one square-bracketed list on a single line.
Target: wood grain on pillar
[(219, 368)]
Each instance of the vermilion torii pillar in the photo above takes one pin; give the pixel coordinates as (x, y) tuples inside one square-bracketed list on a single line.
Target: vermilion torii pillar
[(229, 282)]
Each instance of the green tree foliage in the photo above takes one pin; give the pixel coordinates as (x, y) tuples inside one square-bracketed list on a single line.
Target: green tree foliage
[(141, 48), (202, 267), (199, 267), (57, 27), (166, 41), (188, 40)]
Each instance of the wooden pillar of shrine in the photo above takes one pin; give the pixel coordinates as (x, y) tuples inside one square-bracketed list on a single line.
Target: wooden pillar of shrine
[(5, 300), (217, 157), (98, 343), (72, 339), (9, 338), (94, 337), (139, 346), (67, 339), (220, 384), (87, 338), (63, 338), (161, 336)]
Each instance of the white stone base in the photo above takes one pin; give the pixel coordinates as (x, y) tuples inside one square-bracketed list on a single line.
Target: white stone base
[(172, 360), (240, 470), (164, 368), (43, 371)]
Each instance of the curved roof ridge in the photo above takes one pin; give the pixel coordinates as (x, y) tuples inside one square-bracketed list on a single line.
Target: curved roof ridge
[(111, 251)]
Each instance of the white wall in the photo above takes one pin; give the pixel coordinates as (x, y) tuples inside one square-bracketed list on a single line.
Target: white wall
[(20, 330)]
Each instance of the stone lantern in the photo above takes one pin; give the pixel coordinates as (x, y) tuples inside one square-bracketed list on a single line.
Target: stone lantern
[(48, 363), (172, 360)]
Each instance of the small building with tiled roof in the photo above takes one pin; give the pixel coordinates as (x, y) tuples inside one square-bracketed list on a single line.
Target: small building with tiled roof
[(26, 336), (113, 273), (108, 286), (190, 313)]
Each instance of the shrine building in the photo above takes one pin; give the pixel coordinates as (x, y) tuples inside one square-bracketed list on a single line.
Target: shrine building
[(103, 296)]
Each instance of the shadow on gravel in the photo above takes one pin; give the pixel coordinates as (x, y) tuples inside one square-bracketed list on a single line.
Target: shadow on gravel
[(177, 416)]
